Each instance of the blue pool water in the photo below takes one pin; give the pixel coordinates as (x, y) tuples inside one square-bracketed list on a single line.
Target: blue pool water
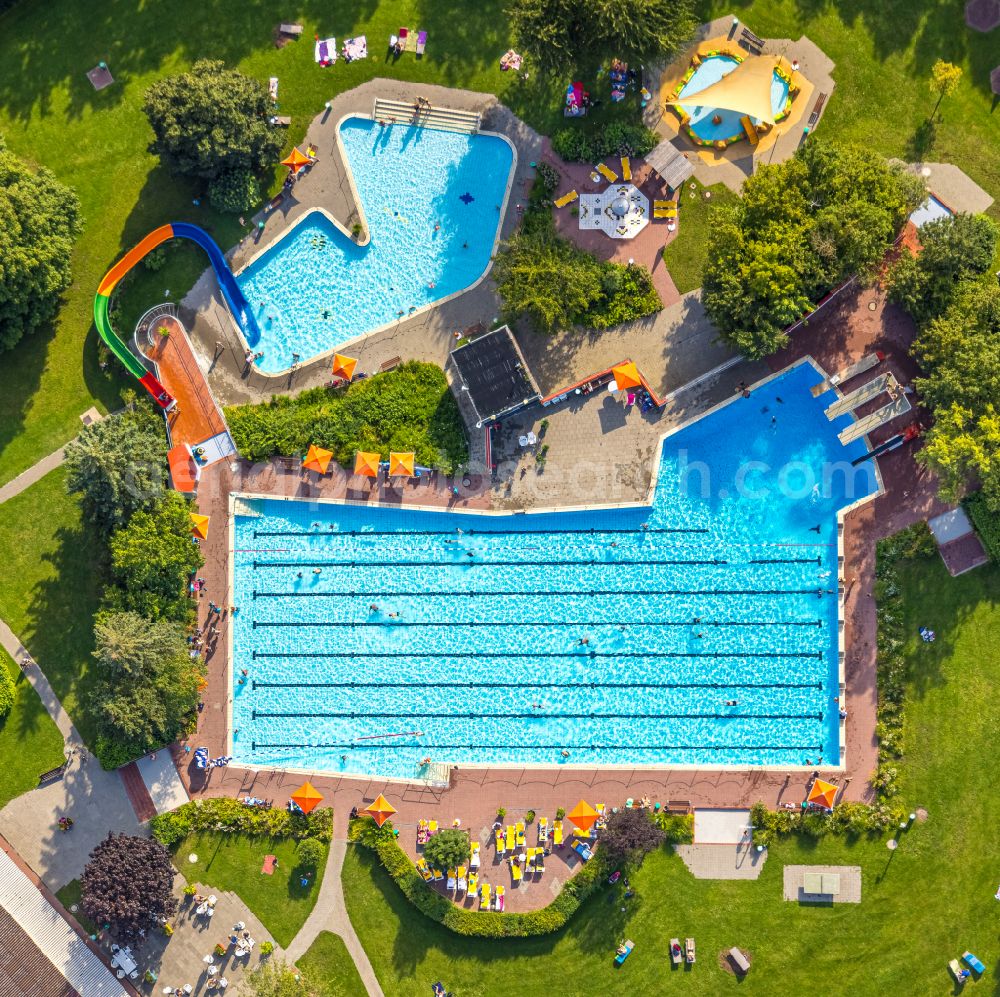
[(930, 211), (315, 288), (479, 640), (711, 70)]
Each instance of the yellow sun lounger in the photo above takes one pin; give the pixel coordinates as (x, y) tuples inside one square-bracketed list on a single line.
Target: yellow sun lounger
[(626, 169), (543, 829), (664, 209), (484, 897), (519, 833), (569, 198), (473, 883), (515, 870), (432, 827), (608, 174), (438, 875), (557, 833), (510, 837), (474, 862), (425, 872)]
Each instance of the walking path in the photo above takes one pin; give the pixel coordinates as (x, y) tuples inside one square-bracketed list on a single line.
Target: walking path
[(330, 914), (34, 473)]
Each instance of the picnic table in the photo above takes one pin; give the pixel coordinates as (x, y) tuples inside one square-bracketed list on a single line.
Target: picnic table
[(122, 961)]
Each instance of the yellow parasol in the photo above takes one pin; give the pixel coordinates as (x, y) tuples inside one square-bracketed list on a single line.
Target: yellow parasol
[(343, 366), (626, 376), (317, 459), (366, 464), (401, 465), (822, 794), (307, 798), (381, 810), (199, 526), (295, 160), (583, 815)]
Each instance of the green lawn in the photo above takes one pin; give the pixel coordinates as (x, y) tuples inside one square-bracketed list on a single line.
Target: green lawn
[(233, 862), (69, 895), (922, 904), (685, 256), (50, 587), (328, 968), (30, 742)]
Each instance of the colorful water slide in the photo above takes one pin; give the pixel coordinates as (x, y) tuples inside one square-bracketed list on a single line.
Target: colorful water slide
[(231, 293)]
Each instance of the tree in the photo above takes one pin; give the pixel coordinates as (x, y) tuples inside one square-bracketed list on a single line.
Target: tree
[(629, 836), (273, 979), (798, 229), (559, 35), (234, 190), (145, 688), (953, 249), (944, 81), (447, 849), (116, 466), (212, 121), (128, 884), (311, 852), (152, 558), (39, 221)]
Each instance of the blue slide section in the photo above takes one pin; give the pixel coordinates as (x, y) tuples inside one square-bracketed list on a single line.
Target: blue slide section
[(238, 304)]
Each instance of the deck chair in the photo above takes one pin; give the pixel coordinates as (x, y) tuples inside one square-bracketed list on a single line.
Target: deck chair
[(626, 168), (608, 174), (484, 897), (569, 198)]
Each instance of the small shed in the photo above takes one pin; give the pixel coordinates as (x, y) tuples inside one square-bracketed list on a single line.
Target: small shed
[(494, 375), (671, 164)]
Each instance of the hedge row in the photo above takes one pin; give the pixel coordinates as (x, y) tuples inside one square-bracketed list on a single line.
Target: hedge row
[(617, 139), (986, 522), (227, 816), (481, 924)]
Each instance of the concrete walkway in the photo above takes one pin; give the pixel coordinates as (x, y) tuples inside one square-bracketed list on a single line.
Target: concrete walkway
[(330, 914), (34, 473)]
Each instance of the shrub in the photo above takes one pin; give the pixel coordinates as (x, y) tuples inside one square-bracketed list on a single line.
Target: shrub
[(447, 849), (678, 829), (483, 924), (409, 408), (231, 817), (235, 191), (8, 691), (617, 139), (529, 817), (266, 948), (986, 522), (546, 180), (311, 852), (155, 260)]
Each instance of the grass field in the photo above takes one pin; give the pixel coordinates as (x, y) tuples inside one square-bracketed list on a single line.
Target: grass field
[(50, 587), (921, 905), (233, 862), (328, 968), (30, 742), (685, 256), (69, 895)]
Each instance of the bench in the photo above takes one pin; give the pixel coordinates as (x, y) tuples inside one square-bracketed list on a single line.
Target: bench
[(817, 108), (280, 121), (391, 364), (288, 463), (292, 30), (740, 961), (52, 774), (678, 807)]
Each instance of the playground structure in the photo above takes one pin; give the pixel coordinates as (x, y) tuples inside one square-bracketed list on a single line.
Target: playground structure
[(231, 293)]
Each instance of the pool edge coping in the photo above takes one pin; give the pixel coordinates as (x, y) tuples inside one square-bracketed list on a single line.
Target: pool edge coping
[(645, 503), (349, 173)]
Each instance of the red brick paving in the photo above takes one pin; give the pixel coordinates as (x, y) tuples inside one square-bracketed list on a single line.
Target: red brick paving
[(963, 554), (137, 793)]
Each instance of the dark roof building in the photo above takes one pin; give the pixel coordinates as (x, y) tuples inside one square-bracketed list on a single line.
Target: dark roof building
[(494, 375)]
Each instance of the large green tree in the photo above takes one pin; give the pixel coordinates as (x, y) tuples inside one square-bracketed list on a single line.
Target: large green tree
[(561, 34), (145, 686), (952, 249), (117, 467), (39, 221), (152, 558), (212, 121), (798, 229)]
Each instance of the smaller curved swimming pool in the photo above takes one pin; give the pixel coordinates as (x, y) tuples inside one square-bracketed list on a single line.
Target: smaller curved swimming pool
[(728, 128)]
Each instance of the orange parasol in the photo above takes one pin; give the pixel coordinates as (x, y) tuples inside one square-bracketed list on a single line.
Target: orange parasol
[(366, 464), (583, 815), (401, 464), (307, 798), (317, 459), (822, 794), (295, 160), (381, 810), (626, 376), (343, 366), (199, 526)]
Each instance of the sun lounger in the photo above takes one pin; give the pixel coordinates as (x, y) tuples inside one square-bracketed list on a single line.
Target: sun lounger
[(432, 828), (474, 861), (438, 875), (516, 872), (326, 51), (424, 869), (608, 175), (272, 89), (689, 949), (543, 830), (501, 844), (676, 953), (557, 837), (561, 202), (484, 897), (624, 951), (602, 814), (510, 839), (664, 209), (463, 881), (626, 168), (422, 832), (473, 884), (974, 963), (583, 850), (540, 861), (499, 901), (421, 42), (529, 860), (452, 880), (519, 833), (961, 975)]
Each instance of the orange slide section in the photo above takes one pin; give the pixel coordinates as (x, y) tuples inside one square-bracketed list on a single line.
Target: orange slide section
[(133, 256)]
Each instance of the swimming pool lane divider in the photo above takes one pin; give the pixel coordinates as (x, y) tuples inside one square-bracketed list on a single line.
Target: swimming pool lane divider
[(617, 746), (238, 306), (591, 562), (507, 655), (256, 684), (470, 532), (530, 715), (543, 623), (423, 593)]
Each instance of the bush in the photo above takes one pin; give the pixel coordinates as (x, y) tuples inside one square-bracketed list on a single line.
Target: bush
[(231, 817), (482, 924), (235, 191), (409, 408), (986, 522), (8, 691), (311, 852), (617, 139), (447, 849), (155, 260), (678, 829)]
